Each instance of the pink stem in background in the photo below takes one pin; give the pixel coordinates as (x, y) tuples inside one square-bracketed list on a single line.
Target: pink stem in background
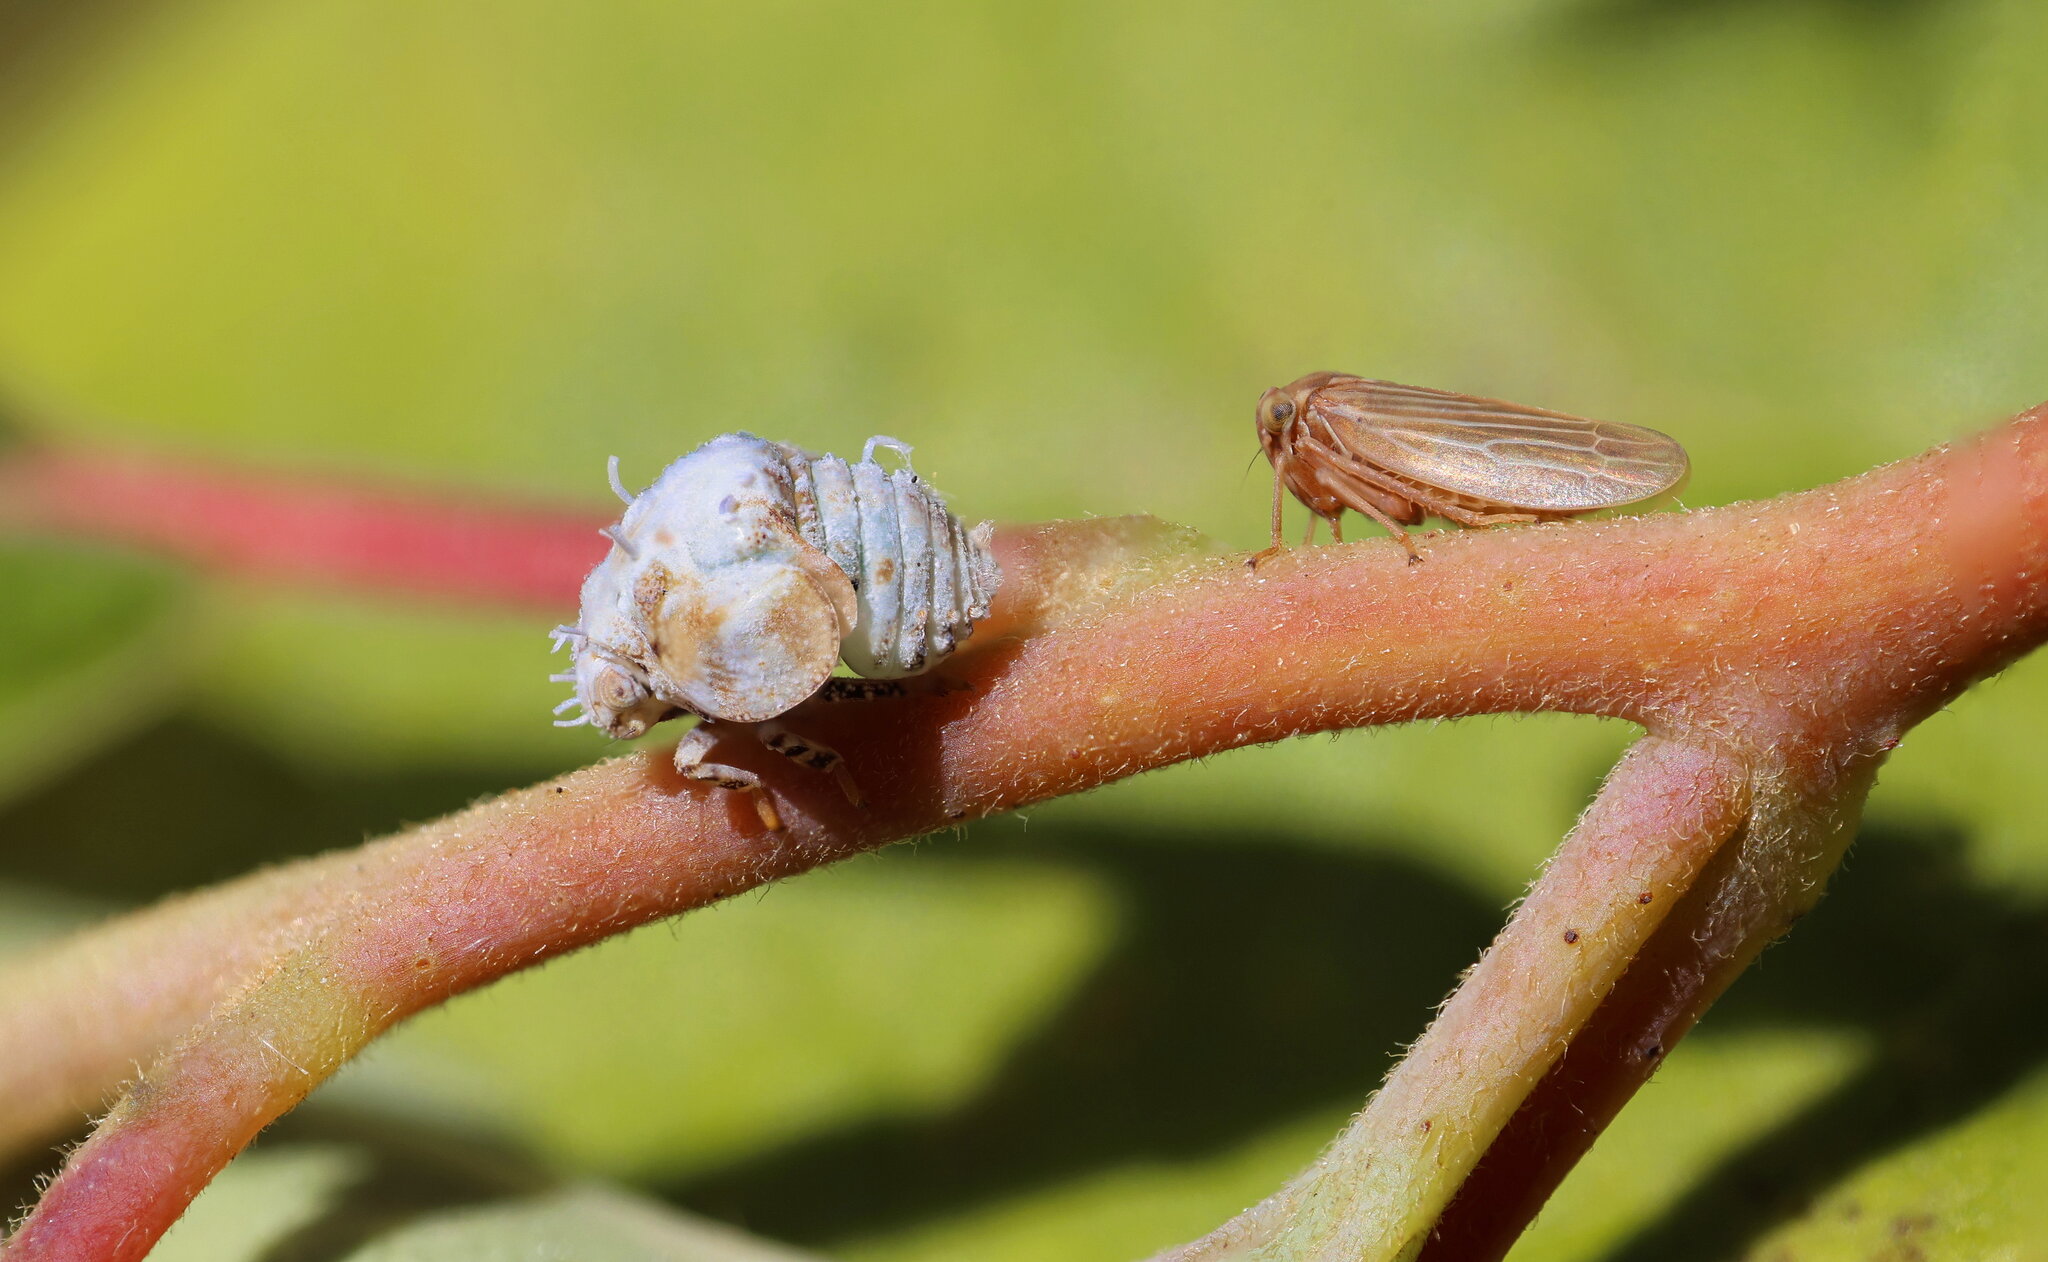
[(305, 531), (1772, 650)]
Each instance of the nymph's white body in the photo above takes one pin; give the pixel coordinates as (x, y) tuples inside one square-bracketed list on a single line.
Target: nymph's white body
[(748, 569)]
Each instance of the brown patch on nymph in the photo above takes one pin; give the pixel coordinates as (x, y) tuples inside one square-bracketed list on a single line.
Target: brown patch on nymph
[(745, 647), (680, 622), (648, 589), (805, 628)]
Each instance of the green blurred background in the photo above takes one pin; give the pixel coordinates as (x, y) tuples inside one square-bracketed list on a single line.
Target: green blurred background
[(1061, 247)]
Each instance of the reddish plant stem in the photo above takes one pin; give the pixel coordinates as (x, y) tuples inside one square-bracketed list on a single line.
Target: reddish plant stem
[(1989, 535), (1661, 817), (129, 988), (1808, 633), (1715, 933)]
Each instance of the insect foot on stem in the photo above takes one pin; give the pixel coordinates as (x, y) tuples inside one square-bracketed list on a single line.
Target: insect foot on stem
[(690, 752), (812, 754)]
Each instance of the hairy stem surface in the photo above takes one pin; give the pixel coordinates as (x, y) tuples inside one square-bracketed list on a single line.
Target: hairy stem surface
[(1774, 652)]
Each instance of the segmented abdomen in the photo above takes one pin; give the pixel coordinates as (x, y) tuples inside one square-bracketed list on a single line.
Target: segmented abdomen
[(923, 579)]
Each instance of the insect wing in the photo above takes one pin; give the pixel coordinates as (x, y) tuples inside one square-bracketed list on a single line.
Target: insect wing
[(1499, 454)]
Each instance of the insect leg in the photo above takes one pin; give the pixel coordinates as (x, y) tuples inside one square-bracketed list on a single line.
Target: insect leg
[(1278, 546), (847, 688), (1466, 517), (690, 752), (1278, 523), (1364, 494), (811, 754), (931, 683), (1394, 528)]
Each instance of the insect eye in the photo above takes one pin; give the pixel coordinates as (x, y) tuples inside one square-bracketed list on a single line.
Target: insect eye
[(1283, 411), (615, 690)]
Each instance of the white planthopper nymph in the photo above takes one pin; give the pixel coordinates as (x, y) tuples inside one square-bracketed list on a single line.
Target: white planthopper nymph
[(747, 570)]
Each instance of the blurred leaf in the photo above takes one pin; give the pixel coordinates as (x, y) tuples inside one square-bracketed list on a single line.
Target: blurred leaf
[(1971, 1193), (1060, 247), (381, 687), (29, 915), (91, 646), (1656, 1155), (261, 1199), (878, 989), (330, 1202), (591, 1224)]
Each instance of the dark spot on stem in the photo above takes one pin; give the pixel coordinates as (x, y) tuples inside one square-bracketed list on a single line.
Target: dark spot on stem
[(1571, 935), (1644, 898)]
